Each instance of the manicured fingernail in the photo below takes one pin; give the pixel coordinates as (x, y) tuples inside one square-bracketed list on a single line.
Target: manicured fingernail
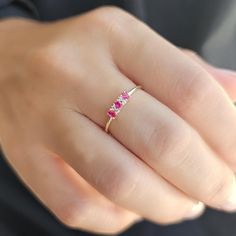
[(196, 211), (230, 204)]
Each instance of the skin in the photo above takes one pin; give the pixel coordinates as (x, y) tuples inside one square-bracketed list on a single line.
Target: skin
[(171, 147)]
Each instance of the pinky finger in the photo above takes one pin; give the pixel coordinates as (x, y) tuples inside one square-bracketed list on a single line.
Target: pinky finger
[(67, 195)]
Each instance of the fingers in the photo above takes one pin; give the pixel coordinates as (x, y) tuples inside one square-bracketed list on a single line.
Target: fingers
[(226, 78), (175, 80), (74, 202), (160, 137), (117, 173), (174, 150)]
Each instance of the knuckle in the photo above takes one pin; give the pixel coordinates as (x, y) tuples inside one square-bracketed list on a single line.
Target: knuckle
[(49, 65), (123, 186), (228, 150), (44, 59), (72, 214), (170, 140), (108, 11), (198, 89), (113, 20), (220, 188)]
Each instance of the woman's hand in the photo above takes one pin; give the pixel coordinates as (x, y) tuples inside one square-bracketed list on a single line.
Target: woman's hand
[(172, 145)]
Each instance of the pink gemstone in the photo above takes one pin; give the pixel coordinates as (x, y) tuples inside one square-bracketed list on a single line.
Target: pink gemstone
[(125, 95), (111, 113), (118, 104)]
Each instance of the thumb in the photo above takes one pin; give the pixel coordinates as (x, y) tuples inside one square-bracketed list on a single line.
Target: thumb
[(226, 78)]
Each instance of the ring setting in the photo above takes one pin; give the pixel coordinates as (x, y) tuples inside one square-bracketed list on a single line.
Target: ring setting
[(117, 106)]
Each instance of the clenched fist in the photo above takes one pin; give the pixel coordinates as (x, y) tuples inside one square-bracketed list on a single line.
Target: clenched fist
[(170, 151)]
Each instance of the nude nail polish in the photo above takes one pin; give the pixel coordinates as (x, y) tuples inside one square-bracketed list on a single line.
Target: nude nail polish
[(196, 211)]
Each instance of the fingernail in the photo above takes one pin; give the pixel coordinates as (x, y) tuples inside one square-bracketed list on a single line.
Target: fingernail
[(196, 211), (230, 204)]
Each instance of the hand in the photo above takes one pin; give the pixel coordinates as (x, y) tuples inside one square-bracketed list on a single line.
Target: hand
[(172, 146)]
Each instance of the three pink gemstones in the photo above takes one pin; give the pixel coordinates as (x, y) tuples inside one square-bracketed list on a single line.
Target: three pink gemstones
[(118, 104)]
